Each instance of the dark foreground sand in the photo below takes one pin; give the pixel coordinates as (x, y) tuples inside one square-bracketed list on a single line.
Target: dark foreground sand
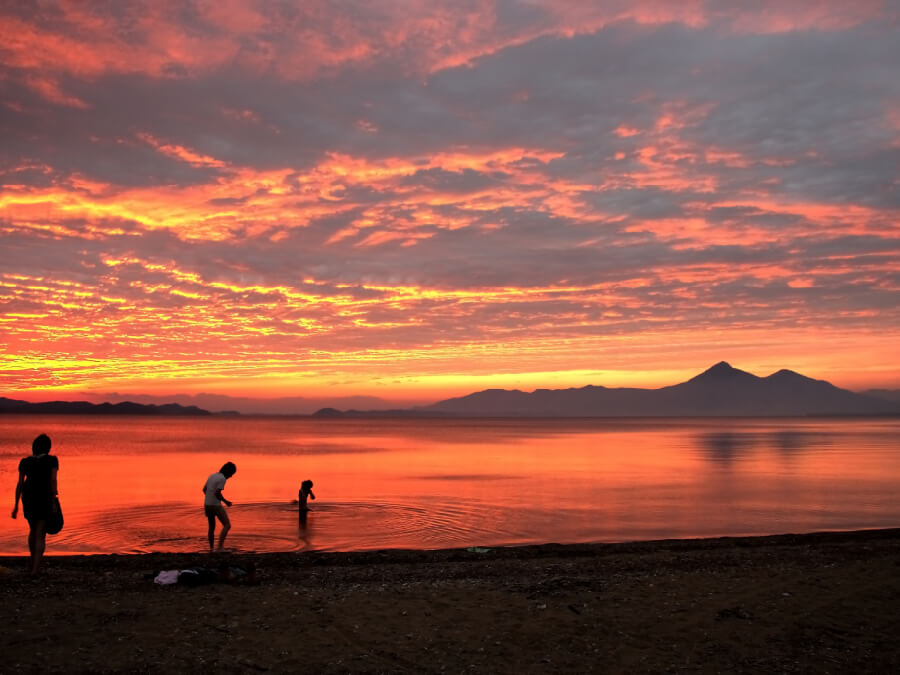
[(806, 603)]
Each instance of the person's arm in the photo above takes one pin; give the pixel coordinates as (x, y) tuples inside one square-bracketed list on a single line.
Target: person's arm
[(312, 496), (221, 497), (19, 485)]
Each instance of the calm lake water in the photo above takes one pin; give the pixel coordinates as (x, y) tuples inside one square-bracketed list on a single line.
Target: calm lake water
[(134, 484)]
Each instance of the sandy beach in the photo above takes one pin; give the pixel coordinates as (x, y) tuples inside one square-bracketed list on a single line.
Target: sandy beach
[(791, 603)]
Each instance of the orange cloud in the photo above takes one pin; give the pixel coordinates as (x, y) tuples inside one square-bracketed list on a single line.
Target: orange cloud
[(180, 152), (88, 43)]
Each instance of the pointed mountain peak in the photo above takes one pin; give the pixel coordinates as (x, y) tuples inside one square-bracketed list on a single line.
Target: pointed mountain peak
[(785, 373), (787, 376), (722, 370)]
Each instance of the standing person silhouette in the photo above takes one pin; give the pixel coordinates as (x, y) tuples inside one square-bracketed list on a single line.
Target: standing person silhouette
[(212, 503), (37, 488)]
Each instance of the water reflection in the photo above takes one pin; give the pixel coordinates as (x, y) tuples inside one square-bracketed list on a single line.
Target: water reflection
[(467, 477), (304, 531), (790, 441), (725, 447), (432, 484)]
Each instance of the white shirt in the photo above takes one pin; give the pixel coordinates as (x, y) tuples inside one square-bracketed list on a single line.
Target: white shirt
[(215, 482)]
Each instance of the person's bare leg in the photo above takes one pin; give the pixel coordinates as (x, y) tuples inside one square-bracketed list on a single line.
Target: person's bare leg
[(37, 542), (226, 525), (211, 535)]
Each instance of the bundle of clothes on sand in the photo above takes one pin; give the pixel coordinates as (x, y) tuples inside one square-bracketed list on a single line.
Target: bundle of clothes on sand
[(201, 576)]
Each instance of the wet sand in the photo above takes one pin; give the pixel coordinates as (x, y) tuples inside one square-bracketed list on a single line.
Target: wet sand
[(793, 603)]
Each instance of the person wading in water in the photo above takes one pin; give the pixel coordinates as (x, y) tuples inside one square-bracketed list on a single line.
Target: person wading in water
[(212, 503)]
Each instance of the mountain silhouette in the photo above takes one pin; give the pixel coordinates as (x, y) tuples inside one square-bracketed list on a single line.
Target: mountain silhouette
[(722, 390), (884, 394), (9, 405), (247, 405)]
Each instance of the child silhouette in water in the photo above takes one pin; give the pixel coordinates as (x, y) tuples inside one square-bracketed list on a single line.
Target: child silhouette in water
[(305, 492), (302, 509)]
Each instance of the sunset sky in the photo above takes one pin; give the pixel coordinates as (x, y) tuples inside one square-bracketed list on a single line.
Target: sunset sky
[(414, 199)]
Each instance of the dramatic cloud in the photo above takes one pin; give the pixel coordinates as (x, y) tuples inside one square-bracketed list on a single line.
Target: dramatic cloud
[(421, 198)]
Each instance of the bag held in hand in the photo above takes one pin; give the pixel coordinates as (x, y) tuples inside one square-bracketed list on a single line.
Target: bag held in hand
[(55, 521)]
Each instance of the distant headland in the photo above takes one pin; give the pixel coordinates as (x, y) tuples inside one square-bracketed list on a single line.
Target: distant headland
[(13, 406)]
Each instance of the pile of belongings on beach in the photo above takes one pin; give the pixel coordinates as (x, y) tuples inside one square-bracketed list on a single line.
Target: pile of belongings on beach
[(200, 576)]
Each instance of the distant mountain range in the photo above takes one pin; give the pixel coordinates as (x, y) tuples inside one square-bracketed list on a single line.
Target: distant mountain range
[(245, 405), (9, 405), (720, 391)]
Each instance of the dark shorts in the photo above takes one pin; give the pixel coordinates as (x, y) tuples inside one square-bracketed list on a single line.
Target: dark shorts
[(215, 511), (37, 507)]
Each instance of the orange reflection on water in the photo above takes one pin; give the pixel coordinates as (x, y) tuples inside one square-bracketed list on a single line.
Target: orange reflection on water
[(134, 484)]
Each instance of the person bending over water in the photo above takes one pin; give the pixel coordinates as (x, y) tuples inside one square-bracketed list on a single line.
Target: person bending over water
[(305, 492), (212, 503), (37, 488), (302, 509)]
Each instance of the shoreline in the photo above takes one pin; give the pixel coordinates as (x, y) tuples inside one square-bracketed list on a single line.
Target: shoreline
[(519, 551), (779, 603)]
